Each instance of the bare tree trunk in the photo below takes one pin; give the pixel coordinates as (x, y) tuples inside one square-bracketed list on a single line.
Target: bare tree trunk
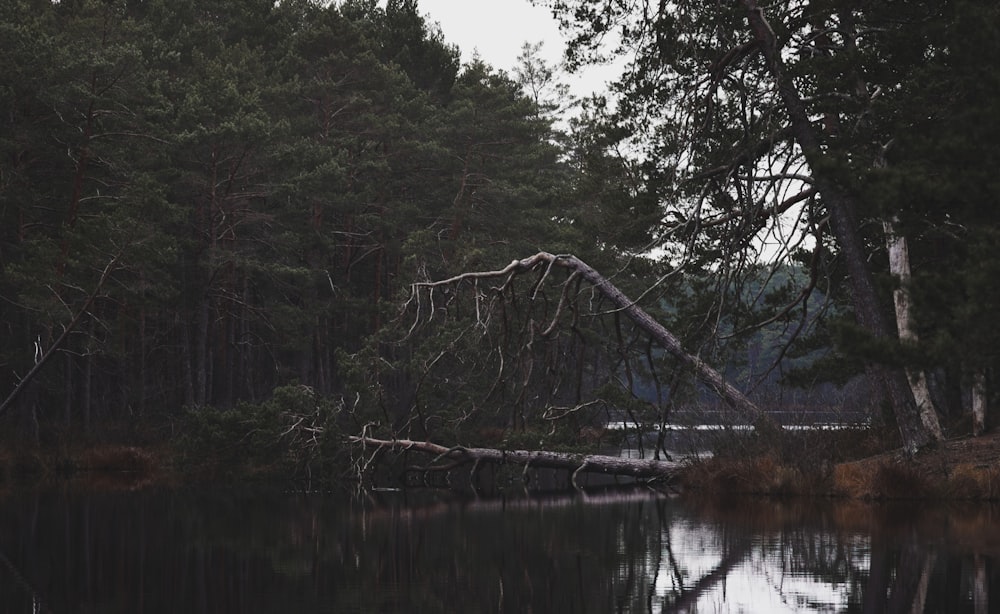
[(201, 354), (899, 266), (29, 427), (69, 386), (88, 385), (446, 459), (978, 403), (187, 364), (141, 358), (229, 349)]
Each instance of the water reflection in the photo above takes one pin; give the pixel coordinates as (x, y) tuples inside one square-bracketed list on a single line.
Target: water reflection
[(424, 551)]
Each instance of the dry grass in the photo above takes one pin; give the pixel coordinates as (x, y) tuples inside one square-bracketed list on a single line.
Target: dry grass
[(958, 469), (852, 480), (888, 477), (961, 469), (973, 481), (757, 475)]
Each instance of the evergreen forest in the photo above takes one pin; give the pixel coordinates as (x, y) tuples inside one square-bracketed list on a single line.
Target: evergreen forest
[(225, 220)]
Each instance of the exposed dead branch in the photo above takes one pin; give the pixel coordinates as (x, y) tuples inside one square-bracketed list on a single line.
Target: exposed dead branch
[(623, 305), (449, 458), (43, 357)]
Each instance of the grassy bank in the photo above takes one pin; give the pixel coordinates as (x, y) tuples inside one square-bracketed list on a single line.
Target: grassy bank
[(246, 447), (960, 469)]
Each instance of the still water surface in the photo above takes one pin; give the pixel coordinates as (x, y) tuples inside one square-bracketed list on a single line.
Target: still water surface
[(429, 551)]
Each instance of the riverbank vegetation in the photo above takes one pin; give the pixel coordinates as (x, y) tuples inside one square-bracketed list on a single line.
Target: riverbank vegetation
[(242, 239)]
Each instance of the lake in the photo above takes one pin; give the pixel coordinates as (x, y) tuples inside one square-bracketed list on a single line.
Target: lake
[(613, 549)]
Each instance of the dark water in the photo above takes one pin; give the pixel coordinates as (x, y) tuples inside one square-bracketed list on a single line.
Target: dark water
[(425, 551)]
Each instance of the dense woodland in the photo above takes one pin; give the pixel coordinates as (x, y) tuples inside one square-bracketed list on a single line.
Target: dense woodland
[(234, 192), (203, 202)]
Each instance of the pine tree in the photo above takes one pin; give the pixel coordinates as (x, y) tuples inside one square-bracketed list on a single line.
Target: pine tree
[(744, 113)]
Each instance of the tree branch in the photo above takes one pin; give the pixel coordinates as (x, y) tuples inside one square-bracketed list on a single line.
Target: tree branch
[(44, 358), (630, 309)]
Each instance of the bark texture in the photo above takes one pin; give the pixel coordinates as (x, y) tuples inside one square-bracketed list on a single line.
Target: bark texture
[(667, 340), (899, 266), (450, 458)]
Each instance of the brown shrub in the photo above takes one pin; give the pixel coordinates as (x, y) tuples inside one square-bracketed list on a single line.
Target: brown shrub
[(881, 479), (766, 475), (900, 480), (853, 480), (757, 475), (888, 478), (969, 481)]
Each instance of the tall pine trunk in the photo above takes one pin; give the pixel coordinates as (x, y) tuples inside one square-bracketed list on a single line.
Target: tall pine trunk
[(201, 354), (842, 208)]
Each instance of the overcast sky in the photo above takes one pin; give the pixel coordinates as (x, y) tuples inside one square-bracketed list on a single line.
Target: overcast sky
[(498, 28)]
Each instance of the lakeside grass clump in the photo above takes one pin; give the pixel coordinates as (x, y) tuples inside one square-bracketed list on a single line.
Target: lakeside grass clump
[(893, 477), (816, 464)]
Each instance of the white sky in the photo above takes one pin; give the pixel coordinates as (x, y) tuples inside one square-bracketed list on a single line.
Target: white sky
[(497, 29)]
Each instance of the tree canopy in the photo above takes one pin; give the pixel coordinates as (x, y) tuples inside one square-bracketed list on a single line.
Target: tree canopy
[(261, 177), (201, 202), (825, 127)]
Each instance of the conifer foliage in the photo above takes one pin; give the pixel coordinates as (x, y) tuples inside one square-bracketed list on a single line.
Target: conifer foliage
[(205, 201), (255, 178), (851, 126)]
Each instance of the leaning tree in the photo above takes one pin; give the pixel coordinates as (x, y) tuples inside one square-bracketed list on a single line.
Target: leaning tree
[(766, 124), (738, 138)]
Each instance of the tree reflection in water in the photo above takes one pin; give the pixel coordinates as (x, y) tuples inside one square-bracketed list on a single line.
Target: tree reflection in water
[(423, 551)]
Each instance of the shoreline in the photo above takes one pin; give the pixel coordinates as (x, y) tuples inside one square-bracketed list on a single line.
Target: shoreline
[(959, 469)]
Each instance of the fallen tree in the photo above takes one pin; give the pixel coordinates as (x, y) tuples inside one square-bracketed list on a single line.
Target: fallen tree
[(433, 300), (626, 306), (448, 459)]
